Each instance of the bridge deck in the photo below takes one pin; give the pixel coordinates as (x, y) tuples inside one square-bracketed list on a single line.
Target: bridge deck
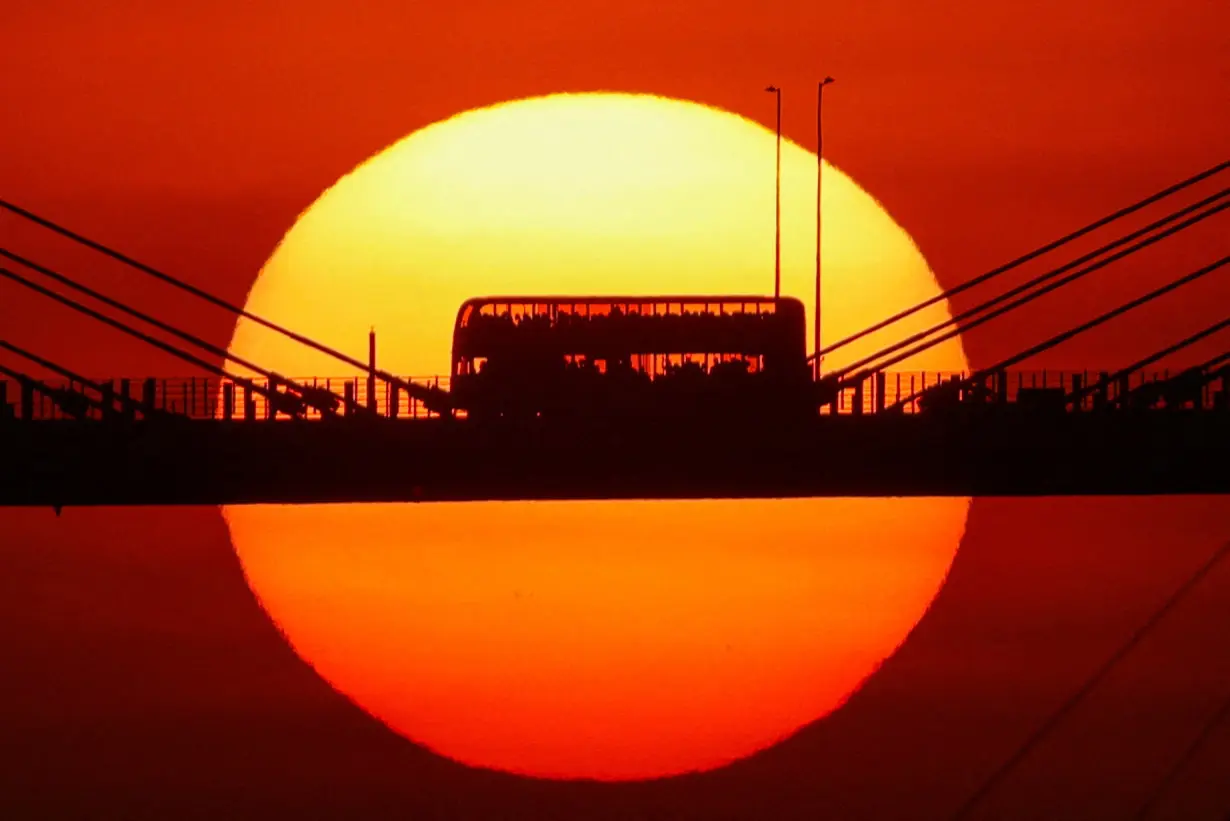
[(959, 452)]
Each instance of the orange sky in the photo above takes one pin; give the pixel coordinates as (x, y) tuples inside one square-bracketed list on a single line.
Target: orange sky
[(192, 137)]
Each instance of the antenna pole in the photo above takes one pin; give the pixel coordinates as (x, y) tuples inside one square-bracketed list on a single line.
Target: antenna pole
[(819, 177), (777, 246), (371, 369)]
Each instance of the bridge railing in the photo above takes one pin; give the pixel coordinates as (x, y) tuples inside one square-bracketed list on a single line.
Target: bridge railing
[(208, 398), (905, 386), (212, 398)]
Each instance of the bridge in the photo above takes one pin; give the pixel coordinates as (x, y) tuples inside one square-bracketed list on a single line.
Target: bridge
[(871, 428)]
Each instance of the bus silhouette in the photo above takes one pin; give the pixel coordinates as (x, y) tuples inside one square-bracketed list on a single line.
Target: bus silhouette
[(625, 356)]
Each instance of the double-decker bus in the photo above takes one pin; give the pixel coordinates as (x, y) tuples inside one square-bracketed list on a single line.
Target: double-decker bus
[(604, 355)]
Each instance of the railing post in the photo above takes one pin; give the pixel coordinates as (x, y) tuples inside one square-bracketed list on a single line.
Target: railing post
[(371, 370), (394, 401), (1100, 395), (249, 405), (228, 401), (27, 401), (881, 387), (5, 409), (126, 407), (348, 398), (108, 399), (1078, 382), (856, 406), (149, 396)]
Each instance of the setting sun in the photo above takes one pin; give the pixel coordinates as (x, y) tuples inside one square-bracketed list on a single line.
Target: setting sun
[(616, 640)]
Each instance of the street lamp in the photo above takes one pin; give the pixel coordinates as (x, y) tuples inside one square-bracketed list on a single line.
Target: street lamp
[(819, 175), (777, 251)]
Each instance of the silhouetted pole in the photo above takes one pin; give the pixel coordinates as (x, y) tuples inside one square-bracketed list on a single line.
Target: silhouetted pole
[(819, 177), (777, 248), (371, 369)]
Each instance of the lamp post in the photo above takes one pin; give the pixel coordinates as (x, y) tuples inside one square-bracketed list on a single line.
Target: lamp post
[(777, 249), (819, 176)]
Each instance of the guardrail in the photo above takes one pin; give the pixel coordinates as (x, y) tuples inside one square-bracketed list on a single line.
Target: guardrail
[(207, 398), (220, 399), (899, 386)]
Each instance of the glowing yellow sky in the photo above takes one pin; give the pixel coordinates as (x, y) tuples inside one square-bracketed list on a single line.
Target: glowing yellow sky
[(605, 640), (577, 194)]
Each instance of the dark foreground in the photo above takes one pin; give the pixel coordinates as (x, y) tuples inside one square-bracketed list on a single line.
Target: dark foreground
[(1000, 453)]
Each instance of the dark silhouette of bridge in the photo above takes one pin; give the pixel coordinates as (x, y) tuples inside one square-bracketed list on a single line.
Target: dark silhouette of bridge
[(866, 429)]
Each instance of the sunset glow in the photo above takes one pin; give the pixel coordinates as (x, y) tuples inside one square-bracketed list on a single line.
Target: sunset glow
[(613, 640)]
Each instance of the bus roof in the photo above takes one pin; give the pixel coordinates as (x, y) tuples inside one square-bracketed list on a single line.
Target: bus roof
[(642, 299)]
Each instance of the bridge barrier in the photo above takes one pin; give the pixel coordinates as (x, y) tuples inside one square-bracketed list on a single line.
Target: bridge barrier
[(892, 387), (224, 399)]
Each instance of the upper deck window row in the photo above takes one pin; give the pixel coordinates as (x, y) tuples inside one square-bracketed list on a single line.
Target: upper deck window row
[(554, 310)]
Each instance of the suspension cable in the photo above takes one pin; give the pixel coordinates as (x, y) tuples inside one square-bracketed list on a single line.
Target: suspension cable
[(126, 401), (160, 325), (323, 400), (1046, 289), (1185, 758), (1038, 280), (56, 395), (433, 396), (1092, 682), (270, 394), (978, 280), (980, 375), (1088, 390)]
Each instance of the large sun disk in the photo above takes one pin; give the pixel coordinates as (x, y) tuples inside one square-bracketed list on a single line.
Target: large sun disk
[(603, 640)]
